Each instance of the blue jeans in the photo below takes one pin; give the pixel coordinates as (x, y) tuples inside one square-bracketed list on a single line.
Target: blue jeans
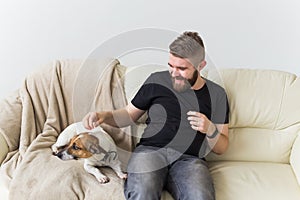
[(151, 169)]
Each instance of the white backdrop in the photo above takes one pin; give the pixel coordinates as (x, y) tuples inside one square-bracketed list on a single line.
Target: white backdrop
[(253, 34)]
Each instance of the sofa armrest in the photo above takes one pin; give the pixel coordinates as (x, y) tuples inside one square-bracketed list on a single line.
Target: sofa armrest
[(3, 149), (295, 158)]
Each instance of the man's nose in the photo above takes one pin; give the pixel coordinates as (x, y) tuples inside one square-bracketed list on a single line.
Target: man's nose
[(175, 72)]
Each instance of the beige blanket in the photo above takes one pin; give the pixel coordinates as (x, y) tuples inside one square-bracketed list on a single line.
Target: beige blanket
[(32, 118)]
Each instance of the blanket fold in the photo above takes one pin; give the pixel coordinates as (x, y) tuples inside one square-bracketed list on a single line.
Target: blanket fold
[(48, 102)]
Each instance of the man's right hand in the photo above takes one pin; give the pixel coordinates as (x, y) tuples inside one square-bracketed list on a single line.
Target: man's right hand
[(93, 119), (116, 118)]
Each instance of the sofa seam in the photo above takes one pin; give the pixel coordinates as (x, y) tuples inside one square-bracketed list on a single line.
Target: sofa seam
[(280, 106)]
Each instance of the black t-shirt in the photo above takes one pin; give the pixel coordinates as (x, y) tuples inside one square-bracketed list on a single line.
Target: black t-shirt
[(167, 124)]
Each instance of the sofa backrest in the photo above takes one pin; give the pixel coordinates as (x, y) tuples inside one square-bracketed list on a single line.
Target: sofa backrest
[(264, 111)]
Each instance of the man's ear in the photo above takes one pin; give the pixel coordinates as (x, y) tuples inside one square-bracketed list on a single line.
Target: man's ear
[(202, 65)]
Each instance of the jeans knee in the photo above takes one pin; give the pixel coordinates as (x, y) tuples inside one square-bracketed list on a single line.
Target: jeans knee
[(143, 186), (196, 194)]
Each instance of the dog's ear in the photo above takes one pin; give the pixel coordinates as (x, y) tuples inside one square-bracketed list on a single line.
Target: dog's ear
[(95, 149), (91, 143)]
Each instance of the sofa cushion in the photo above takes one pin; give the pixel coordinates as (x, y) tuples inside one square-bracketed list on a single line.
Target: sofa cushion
[(3, 149), (260, 98), (10, 123), (264, 113), (254, 180), (295, 158), (256, 144), (3, 190)]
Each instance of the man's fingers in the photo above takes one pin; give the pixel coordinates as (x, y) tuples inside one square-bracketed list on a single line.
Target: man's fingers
[(85, 122), (97, 123), (195, 128), (195, 118), (92, 119), (194, 113), (89, 120), (196, 123)]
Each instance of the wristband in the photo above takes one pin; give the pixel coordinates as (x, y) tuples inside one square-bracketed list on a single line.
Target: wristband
[(213, 135)]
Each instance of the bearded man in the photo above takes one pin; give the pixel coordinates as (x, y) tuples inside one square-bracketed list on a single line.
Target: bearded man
[(187, 118)]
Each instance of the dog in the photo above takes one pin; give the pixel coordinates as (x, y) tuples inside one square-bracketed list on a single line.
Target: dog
[(95, 146)]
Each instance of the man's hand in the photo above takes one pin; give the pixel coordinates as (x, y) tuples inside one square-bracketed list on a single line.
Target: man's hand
[(200, 122), (93, 119)]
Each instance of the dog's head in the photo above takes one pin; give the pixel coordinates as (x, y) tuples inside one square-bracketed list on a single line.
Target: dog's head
[(83, 145)]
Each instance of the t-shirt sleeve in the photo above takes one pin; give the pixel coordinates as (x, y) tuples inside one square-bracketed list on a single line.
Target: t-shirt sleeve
[(142, 99), (220, 110)]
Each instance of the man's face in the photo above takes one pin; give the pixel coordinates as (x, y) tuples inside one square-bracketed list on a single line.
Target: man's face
[(183, 73)]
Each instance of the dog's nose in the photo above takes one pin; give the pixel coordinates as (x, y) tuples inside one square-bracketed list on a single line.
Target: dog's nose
[(59, 154), (63, 155)]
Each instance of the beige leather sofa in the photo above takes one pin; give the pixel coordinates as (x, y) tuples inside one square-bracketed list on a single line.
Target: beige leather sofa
[(263, 159)]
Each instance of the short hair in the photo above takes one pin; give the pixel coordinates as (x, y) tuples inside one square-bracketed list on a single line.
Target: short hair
[(189, 45)]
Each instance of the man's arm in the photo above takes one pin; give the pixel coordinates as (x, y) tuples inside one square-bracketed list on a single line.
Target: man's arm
[(117, 118), (218, 140), (222, 141)]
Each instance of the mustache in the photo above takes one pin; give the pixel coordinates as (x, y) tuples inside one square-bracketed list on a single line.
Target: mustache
[(178, 78)]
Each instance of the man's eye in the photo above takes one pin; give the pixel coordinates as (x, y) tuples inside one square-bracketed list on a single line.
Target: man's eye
[(75, 147)]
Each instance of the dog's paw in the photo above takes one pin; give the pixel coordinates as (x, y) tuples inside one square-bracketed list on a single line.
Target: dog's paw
[(54, 149), (103, 179), (122, 175)]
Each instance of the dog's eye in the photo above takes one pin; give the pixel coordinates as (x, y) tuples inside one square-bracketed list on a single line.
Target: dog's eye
[(62, 147), (75, 147)]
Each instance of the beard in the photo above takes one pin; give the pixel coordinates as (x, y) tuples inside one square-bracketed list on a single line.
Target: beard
[(186, 84)]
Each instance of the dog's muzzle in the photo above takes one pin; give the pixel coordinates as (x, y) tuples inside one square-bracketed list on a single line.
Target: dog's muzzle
[(63, 155)]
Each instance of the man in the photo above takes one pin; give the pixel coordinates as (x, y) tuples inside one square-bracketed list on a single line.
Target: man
[(187, 118)]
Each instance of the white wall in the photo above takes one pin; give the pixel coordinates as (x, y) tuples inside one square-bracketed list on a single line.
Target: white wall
[(254, 34)]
